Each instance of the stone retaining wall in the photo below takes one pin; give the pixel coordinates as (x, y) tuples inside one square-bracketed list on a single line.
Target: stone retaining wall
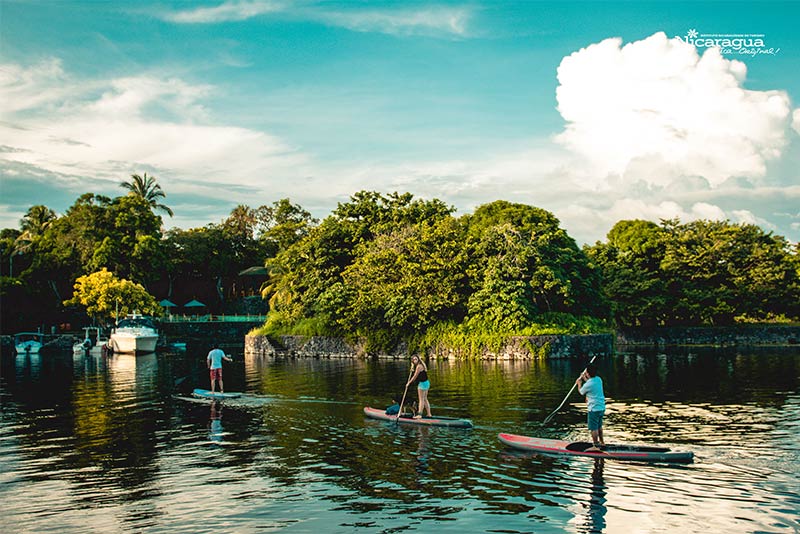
[(743, 335), (517, 348)]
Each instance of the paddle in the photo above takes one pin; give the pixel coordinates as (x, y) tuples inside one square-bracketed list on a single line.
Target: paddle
[(399, 413), (549, 417)]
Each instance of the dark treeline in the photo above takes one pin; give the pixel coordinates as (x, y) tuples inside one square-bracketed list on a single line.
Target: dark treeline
[(41, 261), (390, 268)]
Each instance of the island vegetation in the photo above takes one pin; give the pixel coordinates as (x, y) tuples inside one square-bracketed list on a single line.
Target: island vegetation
[(391, 268)]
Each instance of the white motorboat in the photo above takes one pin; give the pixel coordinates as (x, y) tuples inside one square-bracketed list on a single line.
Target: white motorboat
[(93, 342), (28, 342), (135, 334)]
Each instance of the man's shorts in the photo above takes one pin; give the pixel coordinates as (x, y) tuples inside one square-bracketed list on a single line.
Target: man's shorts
[(424, 386), (216, 374), (595, 420)]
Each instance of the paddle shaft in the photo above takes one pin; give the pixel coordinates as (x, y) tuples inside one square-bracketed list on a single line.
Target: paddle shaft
[(404, 395), (549, 417)]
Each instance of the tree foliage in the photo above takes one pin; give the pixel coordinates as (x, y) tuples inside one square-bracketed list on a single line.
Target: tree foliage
[(147, 188), (388, 267), (524, 265), (698, 273), (104, 296)]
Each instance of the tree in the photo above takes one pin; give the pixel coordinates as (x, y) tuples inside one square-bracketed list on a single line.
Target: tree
[(281, 225), (32, 226), (699, 273), (630, 263), (716, 271), (523, 265), (104, 295), (385, 268), (129, 242), (8, 249), (403, 282), (147, 188), (306, 279)]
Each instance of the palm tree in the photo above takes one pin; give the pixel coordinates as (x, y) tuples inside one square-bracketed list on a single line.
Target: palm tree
[(147, 188), (33, 225)]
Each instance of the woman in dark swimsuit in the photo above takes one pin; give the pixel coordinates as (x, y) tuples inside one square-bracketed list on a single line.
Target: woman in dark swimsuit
[(423, 385)]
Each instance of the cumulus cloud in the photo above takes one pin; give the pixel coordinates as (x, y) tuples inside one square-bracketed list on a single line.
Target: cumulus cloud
[(658, 131), (796, 120), (658, 108)]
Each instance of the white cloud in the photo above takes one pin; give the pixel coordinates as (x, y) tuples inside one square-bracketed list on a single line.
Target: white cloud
[(107, 129), (35, 87), (659, 109), (427, 20), (133, 96), (748, 217), (226, 12), (796, 120)]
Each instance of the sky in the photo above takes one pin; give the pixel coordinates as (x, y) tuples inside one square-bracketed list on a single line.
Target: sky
[(595, 111)]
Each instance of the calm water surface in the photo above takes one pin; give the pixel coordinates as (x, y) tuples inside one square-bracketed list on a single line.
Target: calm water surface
[(92, 444)]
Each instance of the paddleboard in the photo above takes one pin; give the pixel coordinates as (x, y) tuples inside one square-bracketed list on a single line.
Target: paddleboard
[(208, 394), (376, 413), (642, 453)]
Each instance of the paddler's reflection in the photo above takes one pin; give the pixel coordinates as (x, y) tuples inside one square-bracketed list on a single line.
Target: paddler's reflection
[(423, 451), (596, 511), (215, 429)]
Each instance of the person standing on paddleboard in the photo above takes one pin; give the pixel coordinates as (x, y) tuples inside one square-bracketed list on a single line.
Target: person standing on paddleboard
[(591, 385), (214, 361), (423, 385)]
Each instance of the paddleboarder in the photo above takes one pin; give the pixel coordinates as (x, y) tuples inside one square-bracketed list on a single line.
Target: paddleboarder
[(420, 376), (214, 361), (591, 385)]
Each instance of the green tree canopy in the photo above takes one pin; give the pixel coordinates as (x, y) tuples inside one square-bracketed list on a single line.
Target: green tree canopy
[(306, 279), (385, 268), (282, 224), (699, 273), (631, 269), (524, 265)]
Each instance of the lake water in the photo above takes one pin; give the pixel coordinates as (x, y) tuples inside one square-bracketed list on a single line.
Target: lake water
[(92, 444)]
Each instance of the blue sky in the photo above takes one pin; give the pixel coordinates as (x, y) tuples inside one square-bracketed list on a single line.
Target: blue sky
[(595, 111)]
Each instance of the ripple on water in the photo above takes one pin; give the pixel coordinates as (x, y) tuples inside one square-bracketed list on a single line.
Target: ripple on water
[(116, 451)]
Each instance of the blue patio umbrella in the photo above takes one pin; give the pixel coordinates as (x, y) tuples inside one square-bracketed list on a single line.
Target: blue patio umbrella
[(167, 304)]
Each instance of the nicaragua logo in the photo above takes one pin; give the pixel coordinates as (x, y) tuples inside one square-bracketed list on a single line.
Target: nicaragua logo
[(752, 44)]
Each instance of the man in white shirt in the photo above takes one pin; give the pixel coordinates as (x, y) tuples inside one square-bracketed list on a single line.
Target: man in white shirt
[(591, 385), (214, 361)]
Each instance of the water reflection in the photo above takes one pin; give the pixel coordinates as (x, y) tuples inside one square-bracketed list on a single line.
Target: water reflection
[(215, 430), (132, 375), (593, 517), (423, 451), (109, 444)]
